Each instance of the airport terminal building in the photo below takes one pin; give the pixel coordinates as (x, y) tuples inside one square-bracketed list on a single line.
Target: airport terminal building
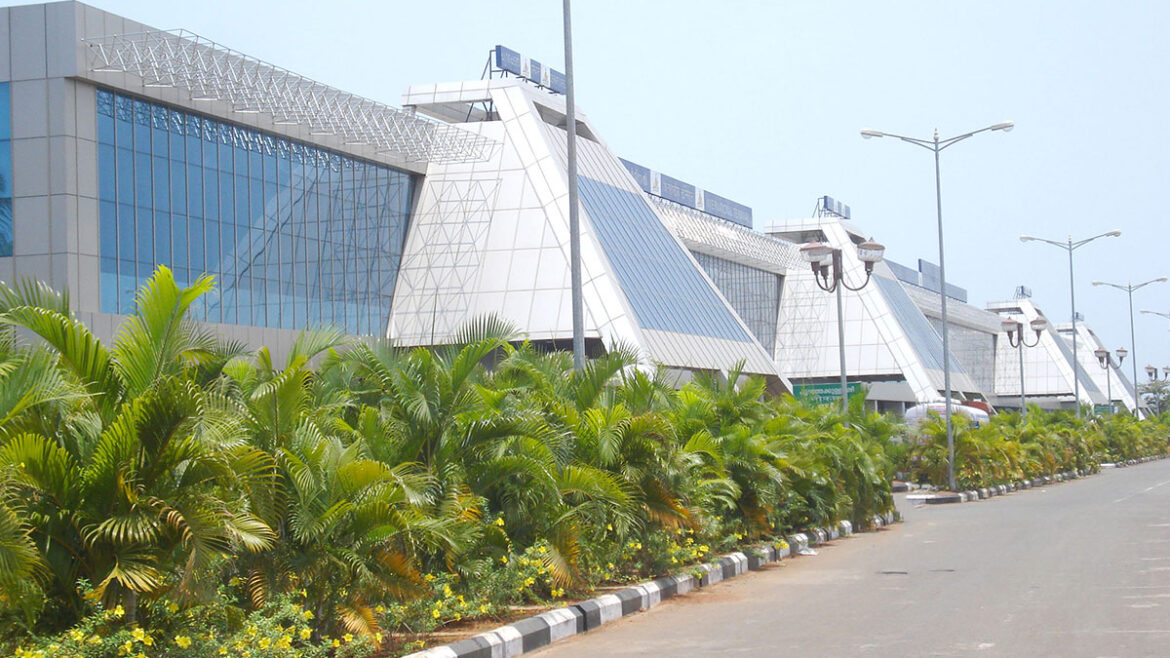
[(124, 147)]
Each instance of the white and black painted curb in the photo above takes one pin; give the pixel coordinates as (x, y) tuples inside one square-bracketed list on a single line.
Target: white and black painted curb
[(530, 634), (945, 497)]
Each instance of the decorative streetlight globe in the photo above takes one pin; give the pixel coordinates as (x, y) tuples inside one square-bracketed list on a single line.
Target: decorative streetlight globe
[(870, 252), (1122, 353), (1151, 372), (1009, 326), (1101, 354), (1039, 325), (815, 252)]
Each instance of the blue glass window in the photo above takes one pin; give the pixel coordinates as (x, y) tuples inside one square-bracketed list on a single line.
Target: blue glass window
[(665, 290), (5, 170), (294, 235), (753, 293)]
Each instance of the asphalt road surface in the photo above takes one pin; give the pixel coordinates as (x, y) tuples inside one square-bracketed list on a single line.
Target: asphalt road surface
[(1074, 569)]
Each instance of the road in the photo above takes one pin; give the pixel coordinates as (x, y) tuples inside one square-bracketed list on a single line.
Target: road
[(1074, 569)]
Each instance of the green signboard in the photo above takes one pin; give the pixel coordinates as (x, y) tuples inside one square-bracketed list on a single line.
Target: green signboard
[(823, 393)]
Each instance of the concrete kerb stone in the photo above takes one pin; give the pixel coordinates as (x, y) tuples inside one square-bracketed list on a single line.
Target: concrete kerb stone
[(563, 623), (546, 628)]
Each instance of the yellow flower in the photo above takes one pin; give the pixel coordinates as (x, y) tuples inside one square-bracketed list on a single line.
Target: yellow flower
[(265, 642), (76, 635), (483, 609), (336, 643), (138, 634), (500, 522), (378, 638), (542, 550), (447, 590), (304, 594), (306, 633), (307, 615), (183, 641), (609, 565), (435, 613), (379, 608), (126, 648), (172, 607), (223, 651), (284, 642), (119, 611), (609, 526), (503, 560), (348, 637)]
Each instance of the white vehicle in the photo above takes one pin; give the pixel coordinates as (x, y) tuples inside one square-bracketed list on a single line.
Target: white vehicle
[(919, 412)]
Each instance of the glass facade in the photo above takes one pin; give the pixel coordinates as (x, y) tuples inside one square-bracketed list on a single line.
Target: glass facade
[(753, 293), (922, 336), (296, 236), (663, 287), (5, 170), (975, 350)]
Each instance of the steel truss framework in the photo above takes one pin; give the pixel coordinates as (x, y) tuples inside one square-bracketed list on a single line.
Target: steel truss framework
[(211, 72)]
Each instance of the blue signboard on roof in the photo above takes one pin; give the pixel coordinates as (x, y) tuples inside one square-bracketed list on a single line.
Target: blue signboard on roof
[(640, 173), (688, 195), (677, 191), (714, 204), (556, 81), (508, 60)]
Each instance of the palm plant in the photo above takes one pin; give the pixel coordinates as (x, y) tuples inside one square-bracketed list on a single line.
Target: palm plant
[(139, 490)]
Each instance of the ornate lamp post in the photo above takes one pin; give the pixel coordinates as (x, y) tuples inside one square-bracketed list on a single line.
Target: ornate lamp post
[(829, 273), (1015, 333), (1106, 361)]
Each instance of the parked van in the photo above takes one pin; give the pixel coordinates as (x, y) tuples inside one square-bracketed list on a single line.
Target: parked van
[(919, 412)]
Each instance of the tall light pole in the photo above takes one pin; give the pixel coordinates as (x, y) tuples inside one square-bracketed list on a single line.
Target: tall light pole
[(937, 145), (1129, 288), (1072, 246), (578, 302), (1013, 328), (822, 257), (1106, 361)]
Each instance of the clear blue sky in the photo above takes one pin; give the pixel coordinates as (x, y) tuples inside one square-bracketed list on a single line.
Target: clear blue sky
[(762, 102)]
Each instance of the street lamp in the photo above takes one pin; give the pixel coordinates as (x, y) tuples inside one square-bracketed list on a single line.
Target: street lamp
[(1129, 288), (577, 295), (1106, 361), (937, 145), (827, 264), (1071, 247), (1014, 328), (1152, 373)]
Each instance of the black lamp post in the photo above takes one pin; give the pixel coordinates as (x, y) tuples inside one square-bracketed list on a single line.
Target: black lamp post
[(829, 273), (1106, 361), (1015, 333)]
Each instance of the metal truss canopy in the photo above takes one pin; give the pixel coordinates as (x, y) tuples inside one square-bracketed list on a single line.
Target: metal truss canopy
[(211, 72)]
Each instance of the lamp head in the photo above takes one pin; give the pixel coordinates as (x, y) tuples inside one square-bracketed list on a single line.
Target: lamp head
[(1039, 325), (1151, 372), (870, 252), (867, 133), (1009, 326), (1005, 126), (815, 252), (1026, 238), (1121, 354), (1102, 355), (1113, 234)]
